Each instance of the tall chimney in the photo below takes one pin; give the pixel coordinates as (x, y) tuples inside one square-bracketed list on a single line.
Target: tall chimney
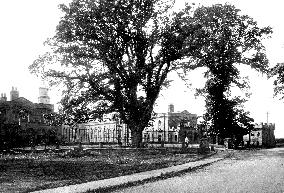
[(3, 97), (171, 108), (14, 93)]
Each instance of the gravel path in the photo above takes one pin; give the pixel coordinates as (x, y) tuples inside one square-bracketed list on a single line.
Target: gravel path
[(245, 171)]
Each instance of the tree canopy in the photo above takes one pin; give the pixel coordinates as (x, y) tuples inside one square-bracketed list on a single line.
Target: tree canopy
[(115, 56), (225, 40), (278, 72)]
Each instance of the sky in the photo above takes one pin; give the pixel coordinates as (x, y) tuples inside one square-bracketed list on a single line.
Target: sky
[(25, 25)]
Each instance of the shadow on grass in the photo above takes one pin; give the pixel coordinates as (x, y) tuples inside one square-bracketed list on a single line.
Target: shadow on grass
[(54, 169)]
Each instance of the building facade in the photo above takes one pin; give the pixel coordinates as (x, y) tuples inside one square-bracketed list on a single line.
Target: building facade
[(262, 135), (98, 133), (23, 118), (43, 96), (172, 127), (165, 128)]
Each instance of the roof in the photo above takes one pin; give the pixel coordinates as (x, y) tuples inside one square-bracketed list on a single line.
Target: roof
[(23, 103)]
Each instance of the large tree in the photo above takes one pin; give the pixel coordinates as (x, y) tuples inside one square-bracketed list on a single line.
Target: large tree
[(225, 40), (115, 56)]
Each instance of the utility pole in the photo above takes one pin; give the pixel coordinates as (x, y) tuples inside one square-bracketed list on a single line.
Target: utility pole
[(164, 125), (267, 113), (164, 128)]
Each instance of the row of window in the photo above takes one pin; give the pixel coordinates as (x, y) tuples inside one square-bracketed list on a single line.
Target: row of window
[(158, 137), (96, 134), (114, 134)]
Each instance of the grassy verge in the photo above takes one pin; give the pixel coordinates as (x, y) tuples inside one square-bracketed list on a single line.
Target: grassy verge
[(25, 172)]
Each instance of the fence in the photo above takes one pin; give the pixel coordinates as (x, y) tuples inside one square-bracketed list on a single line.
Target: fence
[(97, 133), (114, 133)]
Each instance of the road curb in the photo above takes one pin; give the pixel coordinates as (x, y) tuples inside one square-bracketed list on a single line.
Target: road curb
[(152, 179), (133, 179)]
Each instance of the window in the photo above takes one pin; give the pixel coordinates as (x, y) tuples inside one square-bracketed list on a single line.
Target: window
[(99, 134), (159, 138), (170, 137), (95, 135), (108, 135), (104, 134), (159, 125), (176, 138), (145, 137), (92, 133), (113, 135)]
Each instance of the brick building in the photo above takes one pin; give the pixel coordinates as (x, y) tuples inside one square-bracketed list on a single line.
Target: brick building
[(261, 135), (27, 117), (172, 128)]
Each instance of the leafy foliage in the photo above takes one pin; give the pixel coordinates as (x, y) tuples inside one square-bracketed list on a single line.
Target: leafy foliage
[(225, 40), (278, 72), (114, 56)]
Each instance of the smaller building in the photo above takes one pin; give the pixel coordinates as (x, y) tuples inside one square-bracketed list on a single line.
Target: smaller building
[(262, 135), (172, 128)]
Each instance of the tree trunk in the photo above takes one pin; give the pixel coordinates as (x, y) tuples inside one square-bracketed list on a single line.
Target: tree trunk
[(249, 138), (137, 138), (136, 134)]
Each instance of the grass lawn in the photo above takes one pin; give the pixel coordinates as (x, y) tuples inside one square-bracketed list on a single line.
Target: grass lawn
[(25, 172)]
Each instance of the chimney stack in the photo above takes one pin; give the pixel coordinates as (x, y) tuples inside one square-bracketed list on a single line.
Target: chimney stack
[(3, 97), (14, 93), (171, 108)]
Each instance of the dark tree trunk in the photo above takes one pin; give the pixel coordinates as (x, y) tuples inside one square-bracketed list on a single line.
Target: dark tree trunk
[(137, 138), (140, 114)]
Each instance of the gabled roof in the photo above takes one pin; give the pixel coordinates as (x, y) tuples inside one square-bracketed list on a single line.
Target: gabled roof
[(23, 103), (23, 100)]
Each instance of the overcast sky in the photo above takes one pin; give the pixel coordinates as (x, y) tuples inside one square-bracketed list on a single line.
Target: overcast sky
[(25, 25)]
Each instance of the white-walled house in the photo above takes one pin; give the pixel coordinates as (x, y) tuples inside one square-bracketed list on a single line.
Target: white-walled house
[(165, 128)]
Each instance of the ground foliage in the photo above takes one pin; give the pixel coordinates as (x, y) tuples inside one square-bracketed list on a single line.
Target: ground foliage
[(33, 171)]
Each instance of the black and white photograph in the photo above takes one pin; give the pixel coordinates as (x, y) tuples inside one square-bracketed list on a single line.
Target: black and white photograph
[(172, 96)]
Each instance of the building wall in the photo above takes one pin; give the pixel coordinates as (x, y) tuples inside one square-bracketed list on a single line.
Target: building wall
[(262, 135), (110, 132), (268, 136), (43, 96), (256, 138), (165, 128), (171, 127), (24, 120), (159, 130)]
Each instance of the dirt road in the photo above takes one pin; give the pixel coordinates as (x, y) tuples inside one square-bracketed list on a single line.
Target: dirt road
[(245, 171)]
